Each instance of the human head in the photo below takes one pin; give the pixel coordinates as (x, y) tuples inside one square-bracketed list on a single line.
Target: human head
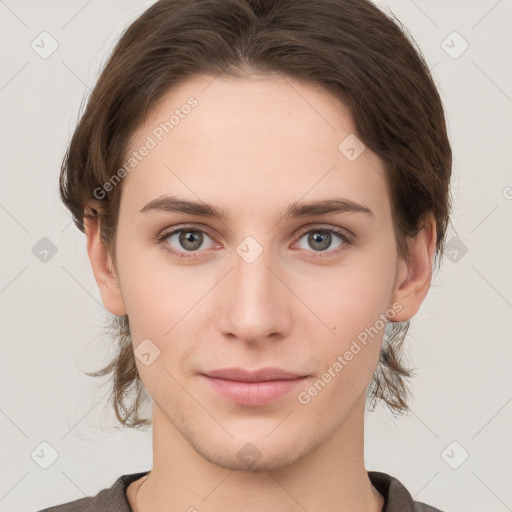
[(347, 47)]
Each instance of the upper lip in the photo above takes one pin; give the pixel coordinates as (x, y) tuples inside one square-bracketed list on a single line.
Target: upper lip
[(261, 375)]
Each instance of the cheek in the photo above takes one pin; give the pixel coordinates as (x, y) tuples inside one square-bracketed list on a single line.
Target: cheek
[(155, 294), (352, 302), (348, 368), (150, 312), (349, 299)]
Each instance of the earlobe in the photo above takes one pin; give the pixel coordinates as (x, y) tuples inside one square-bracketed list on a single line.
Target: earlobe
[(103, 269), (414, 276)]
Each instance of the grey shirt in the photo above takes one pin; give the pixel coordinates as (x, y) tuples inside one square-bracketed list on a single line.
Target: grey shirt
[(396, 497)]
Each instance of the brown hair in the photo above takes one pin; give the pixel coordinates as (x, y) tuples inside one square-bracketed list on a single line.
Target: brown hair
[(350, 47)]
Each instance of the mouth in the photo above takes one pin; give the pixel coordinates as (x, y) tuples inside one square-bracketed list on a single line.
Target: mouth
[(254, 388)]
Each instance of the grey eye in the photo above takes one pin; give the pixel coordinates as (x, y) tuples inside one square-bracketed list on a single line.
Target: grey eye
[(187, 239), (320, 239)]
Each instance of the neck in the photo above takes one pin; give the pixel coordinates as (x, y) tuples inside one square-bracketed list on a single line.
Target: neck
[(331, 476)]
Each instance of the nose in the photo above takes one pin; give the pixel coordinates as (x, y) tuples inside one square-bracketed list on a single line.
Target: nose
[(254, 303)]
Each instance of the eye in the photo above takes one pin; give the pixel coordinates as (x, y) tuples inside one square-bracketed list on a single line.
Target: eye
[(320, 239), (183, 241)]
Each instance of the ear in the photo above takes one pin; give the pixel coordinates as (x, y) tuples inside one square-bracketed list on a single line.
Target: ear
[(414, 276), (104, 272)]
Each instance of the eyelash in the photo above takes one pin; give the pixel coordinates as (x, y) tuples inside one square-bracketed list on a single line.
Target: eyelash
[(346, 239)]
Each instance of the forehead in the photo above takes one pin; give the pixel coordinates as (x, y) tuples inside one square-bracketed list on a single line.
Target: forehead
[(252, 140)]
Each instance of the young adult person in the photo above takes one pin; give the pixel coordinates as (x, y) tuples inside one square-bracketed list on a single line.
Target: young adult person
[(264, 188)]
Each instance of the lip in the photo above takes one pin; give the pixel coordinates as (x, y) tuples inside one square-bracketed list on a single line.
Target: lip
[(254, 388), (263, 374)]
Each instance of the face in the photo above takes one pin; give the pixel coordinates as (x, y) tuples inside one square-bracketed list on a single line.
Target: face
[(271, 283)]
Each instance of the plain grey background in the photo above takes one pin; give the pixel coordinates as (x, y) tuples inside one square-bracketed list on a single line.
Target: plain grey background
[(453, 450)]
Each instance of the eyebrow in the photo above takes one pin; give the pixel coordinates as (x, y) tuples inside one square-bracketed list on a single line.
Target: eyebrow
[(171, 204)]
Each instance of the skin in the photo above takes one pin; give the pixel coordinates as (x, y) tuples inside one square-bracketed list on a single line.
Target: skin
[(252, 146)]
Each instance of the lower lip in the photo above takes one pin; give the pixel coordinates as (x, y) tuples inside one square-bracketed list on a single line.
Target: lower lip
[(253, 393)]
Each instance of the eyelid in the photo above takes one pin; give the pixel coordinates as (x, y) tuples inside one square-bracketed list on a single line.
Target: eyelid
[(167, 232), (327, 227)]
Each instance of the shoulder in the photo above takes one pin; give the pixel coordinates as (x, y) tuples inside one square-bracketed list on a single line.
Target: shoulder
[(397, 497), (112, 499)]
